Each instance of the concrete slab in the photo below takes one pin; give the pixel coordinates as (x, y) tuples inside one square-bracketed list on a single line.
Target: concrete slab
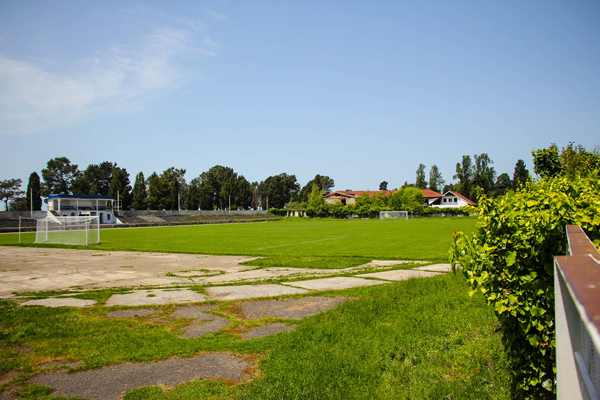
[(155, 297), (197, 330), (435, 268), (390, 263), (254, 275), (399, 275), (288, 308), (250, 291), (340, 282), (267, 330), (34, 269), (194, 312), (62, 302), (110, 383)]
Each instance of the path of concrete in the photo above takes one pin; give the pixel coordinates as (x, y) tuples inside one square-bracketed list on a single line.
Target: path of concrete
[(109, 383), (30, 269)]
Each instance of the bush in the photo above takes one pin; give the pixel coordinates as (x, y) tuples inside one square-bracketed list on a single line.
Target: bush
[(279, 212), (510, 259)]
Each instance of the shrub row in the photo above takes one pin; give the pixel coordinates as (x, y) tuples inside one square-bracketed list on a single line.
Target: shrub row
[(366, 211), (510, 259)]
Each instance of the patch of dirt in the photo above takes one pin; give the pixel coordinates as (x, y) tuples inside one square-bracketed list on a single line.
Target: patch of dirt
[(132, 313), (9, 376), (60, 363), (109, 383), (23, 348), (289, 308), (10, 393)]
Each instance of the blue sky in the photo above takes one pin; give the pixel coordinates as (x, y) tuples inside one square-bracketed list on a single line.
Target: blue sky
[(361, 91)]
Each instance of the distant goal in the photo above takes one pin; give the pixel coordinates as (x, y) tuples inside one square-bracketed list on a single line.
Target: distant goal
[(68, 230), (393, 214)]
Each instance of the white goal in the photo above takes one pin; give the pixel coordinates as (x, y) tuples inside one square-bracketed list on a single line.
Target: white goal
[(393, 214), (68, 230)]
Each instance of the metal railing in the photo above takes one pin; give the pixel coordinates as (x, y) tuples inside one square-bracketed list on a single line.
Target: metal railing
[(577, 307)]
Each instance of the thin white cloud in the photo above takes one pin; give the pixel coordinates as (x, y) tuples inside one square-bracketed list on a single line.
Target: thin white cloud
[(33, 99), (214, 15)]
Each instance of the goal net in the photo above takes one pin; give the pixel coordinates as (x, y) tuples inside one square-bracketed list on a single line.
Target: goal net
[(393, 214), (68, 230)]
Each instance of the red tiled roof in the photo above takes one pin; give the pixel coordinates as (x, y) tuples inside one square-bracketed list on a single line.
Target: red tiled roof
[(358, 193), (462, 197), (430, 194)]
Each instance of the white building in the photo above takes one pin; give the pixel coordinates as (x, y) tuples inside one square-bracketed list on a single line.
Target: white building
[(75, 205), (452, 199)]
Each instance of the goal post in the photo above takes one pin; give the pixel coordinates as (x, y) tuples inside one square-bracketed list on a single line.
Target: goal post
[(393, 214), (68, 230)]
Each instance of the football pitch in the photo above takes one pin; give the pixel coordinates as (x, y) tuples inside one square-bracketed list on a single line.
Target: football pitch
[(415, 239)]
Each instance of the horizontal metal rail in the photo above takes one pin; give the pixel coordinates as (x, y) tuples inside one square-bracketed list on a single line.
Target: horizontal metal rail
[(577, 307)]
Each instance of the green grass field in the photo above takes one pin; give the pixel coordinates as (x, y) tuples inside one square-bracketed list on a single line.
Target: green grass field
[(418, 239), (417, 339)]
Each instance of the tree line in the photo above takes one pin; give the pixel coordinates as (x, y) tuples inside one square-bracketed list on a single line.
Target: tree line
[(221, 188)]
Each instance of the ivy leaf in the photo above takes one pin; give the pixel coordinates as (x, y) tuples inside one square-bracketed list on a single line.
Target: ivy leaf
[(511, 258)]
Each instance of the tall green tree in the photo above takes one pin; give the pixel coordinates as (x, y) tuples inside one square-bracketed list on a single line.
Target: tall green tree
[(436, 181), (215, 188), (34, 193), (503, 185), (18, 204), (58, 176), (193, 194), (95, 179), (278, 189), (520, 175), (140, 193), (464, 174), (120, 188), (573, 162), (408, 199), (421, 183), (315, 198), (238, 191), (173, 187), (484, 176), (324, 183), (383, 185), (155, 192), (9, 190)]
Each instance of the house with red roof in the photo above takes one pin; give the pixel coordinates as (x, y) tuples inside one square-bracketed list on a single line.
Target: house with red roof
[(431, 197), (452, 199)]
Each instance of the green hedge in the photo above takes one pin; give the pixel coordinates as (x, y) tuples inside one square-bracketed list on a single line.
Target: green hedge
[(510, 259)]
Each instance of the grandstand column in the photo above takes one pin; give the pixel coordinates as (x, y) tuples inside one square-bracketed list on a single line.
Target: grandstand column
[(59, 204)]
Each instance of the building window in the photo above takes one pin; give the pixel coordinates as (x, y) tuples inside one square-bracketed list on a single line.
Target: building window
[(445, 199), (455, 199)]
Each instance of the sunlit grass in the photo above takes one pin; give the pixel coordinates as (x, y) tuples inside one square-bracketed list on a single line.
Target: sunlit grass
[(418, 239)]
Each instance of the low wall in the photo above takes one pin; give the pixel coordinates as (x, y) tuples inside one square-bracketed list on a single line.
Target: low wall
[(158, 213), (22, 214)]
